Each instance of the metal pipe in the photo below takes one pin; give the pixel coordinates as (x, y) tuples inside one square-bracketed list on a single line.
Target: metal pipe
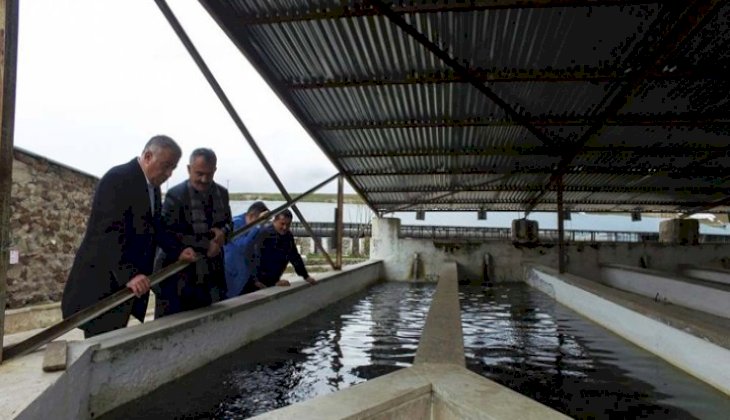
[(561, 228), (116, 299), (340, 221), (175, 24), (8, 57)]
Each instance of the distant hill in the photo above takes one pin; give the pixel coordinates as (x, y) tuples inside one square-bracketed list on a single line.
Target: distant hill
[(312, 198)]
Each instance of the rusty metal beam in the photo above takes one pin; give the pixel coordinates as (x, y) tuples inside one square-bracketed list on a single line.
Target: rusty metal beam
[(467, 73), (360, 10), (623, 189), (699, 151), (552, 121), (593, 75), (675, 27), (487, 203), (662, 168), (452, 191), (690, 210), (8, 67), (182, 35)]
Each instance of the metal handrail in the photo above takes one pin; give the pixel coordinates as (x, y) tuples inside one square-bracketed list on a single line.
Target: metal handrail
[(496, 233), (121, 296)]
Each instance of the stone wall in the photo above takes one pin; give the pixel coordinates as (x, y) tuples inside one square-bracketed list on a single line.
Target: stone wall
[(49, 206)]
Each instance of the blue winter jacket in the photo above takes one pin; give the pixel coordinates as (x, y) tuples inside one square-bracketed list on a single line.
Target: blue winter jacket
[(236, 263)]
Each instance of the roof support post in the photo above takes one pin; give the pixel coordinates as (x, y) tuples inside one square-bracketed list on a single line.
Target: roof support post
[(8, 56), (175, 24), (339, 228), (561, 228)]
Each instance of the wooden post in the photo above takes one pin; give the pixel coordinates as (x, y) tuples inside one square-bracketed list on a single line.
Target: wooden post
[(8, 54), (340, 222)]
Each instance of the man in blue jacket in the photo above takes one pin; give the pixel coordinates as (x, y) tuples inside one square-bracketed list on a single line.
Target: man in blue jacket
[(272, 250), (236, 262)]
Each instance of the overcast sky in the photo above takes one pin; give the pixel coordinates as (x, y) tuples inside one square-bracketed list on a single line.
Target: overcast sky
[(97, 78)]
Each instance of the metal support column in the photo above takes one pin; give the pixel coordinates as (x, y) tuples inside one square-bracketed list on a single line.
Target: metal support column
[(561, 227), (175, 24), (8, 55), (340, 222)]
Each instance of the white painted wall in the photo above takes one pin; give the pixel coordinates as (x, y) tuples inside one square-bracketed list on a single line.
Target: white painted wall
[(701, 296), (715, 275), (699, 357)]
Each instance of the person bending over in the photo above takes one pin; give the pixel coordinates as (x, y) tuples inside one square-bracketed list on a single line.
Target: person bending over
[(272, 250), (238, 266)]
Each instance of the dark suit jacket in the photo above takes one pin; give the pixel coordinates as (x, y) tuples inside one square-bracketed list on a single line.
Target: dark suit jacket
[(120, 242), (176, 217)]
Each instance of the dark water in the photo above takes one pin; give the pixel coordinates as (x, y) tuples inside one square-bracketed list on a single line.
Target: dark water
[(359, 338), (513, 334), (521, 338)]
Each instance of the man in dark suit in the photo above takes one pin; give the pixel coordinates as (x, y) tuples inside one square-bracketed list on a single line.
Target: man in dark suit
[(122, 234), (198, 212)]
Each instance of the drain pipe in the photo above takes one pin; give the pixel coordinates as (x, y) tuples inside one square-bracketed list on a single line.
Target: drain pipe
[(487, 269), (175, 24), (415, 262)]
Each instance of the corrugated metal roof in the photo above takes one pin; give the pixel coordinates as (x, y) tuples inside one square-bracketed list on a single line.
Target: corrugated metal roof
[(626, 101)]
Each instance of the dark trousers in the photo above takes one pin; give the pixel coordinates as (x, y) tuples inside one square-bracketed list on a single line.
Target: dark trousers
[(179, 293), (109, 321)]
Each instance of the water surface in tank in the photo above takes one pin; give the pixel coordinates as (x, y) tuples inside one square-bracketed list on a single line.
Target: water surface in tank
[(513, 334), (366, 335), (521, 338)]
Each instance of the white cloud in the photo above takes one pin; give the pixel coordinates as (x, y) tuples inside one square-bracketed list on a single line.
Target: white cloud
[(97, 78)]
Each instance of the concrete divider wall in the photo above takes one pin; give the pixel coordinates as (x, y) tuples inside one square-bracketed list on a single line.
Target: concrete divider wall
[(437, 386), (700, 295), (717, 275), (123, 365), (682, 349)]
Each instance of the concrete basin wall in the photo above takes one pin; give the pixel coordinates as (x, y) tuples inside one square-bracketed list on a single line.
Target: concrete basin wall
[(717, 275), (508, 260), (114, 368), (712, 298), (647, 327)]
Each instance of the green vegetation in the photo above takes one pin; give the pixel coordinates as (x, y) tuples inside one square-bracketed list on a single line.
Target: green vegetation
[(311, 198)]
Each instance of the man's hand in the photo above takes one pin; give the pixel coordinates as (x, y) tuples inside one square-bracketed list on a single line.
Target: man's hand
[(311, 280), (218, 237), (259, 285), (187, 255), (213, 249), (283, 283), (139, 285)]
